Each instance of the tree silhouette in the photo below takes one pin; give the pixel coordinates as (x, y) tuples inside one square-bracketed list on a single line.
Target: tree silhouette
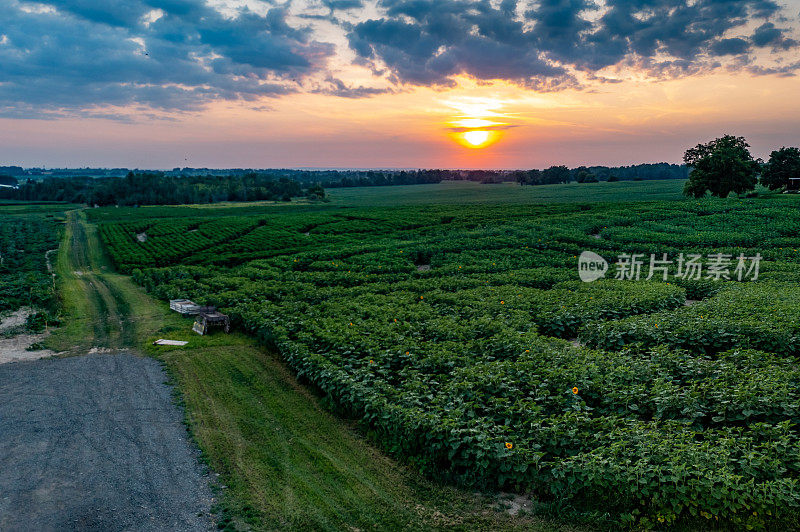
[(783, 164), (721, 166)]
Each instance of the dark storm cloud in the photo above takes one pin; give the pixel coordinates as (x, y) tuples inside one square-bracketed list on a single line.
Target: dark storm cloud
[(112, 12), (684, 31), (768, 35), (542, 43), (733, 46), (428, 42), (65, 56)]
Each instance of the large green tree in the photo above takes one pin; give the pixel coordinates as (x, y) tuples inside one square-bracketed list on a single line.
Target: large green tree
[(721, 166), (556, 174), (783, 164)]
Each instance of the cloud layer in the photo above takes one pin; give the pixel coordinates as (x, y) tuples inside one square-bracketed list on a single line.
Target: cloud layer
[(58, 56), (83, 56), (548, 43)]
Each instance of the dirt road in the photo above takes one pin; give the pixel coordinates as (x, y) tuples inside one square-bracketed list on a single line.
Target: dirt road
[(95, 441)]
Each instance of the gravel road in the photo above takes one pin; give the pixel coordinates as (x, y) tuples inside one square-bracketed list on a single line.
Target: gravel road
[(95, 442)]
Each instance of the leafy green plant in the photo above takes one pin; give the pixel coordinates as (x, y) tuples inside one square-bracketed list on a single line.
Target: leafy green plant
[(674, 411)]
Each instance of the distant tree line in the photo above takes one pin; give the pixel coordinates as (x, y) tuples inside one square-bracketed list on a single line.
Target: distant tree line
[(378, 178), (7, 171), (159, 189), (67, 172), (552, 175), (593, 174), (387, 177)]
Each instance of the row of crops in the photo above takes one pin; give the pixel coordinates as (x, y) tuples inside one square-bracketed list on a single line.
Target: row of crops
[(464, 342), (29, 236)]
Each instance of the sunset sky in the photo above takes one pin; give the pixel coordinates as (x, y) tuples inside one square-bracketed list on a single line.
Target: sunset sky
[(392, 83)]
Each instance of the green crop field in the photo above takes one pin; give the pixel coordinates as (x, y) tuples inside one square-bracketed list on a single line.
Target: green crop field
[(464, 343), (29, 235), (470, 192)]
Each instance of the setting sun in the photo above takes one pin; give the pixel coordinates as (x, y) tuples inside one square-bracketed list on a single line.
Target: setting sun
[(476, 139), (479, 122)]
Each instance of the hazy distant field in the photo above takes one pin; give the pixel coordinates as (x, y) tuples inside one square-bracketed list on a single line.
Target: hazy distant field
[(468, 192)]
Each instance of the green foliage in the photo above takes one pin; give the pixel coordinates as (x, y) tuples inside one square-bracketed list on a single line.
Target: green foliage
[(782, 165), (762, 315), (39, 321), (556, 174), (720, 167), (442, 330), (26, 237), (160, 189)]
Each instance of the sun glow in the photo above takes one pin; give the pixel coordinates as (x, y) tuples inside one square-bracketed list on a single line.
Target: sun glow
[(471, 123), (479, 123), (477, 138)]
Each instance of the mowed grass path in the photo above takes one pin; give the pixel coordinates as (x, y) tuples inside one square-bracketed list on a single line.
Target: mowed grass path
[(104, 309), (284, 462)]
